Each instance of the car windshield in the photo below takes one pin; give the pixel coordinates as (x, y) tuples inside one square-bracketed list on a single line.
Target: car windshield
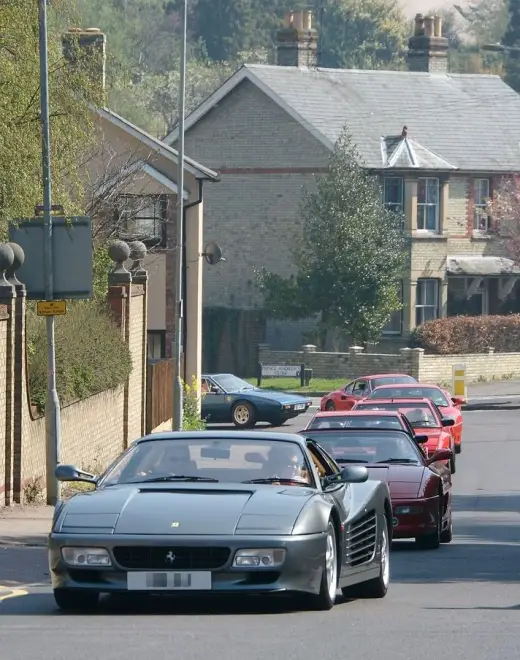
[(230, 383), (367, 446), (392, 380), (356, 422), (419, 414), (208, 459), (411, 392)]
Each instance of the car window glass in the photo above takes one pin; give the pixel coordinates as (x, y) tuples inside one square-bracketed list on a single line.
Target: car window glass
[(409, 392), (418, 414), (349, 388), (360, 386)]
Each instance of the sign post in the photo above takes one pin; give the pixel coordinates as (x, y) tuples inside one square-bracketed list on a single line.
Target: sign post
[(458, 378)]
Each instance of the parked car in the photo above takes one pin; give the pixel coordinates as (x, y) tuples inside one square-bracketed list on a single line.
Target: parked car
[(222, 512), (365, 419), (425, 418), (448, 405), (420, 487), (227, 398), (346, 397)]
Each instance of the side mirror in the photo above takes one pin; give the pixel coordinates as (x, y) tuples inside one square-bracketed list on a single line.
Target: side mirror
[(458, 400), (420, 439), (214, 389), (72, 473), (441, 455), (448, 421), (352, 474)]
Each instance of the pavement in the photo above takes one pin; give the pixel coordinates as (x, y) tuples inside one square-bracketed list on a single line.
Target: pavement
[(462, 600)]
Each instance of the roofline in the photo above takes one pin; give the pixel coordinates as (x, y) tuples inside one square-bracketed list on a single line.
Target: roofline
[(150, 171), (164, 149), (246, 72)]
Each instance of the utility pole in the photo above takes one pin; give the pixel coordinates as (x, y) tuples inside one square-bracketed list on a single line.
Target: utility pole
[(177, 416), (52, 406)]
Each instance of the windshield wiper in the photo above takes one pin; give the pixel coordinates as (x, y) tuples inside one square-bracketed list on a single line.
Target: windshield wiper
[(349, 460), (399, 460), (274, 480), (177, 477)]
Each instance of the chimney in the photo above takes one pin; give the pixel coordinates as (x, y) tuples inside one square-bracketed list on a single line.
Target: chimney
[(297, 41), (87, 46), (428, 49)]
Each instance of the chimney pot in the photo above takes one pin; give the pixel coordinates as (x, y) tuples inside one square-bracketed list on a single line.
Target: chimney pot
[(307, 20), (428, 26), (298, 20), (93, 30), (289, 18), (297, 40), (437, 26), (419, 25)]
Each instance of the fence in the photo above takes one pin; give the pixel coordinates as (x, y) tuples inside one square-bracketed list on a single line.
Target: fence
[(159, 393)]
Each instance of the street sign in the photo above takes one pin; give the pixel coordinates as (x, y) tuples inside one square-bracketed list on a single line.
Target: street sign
[(281, 371), (51, 307), (459, 387)]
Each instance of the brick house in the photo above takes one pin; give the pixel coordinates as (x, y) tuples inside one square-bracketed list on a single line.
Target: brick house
[(440, 143)]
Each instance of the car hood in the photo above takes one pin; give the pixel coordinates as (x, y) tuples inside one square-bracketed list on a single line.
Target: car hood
[(403, 481), (281, 397), (188, 509)]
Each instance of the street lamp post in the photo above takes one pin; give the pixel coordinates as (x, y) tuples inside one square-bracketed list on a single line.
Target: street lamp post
[(52, 407), (177, 416)]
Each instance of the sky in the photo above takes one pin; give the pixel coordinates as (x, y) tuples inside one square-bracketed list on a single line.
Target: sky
[(412, 7)]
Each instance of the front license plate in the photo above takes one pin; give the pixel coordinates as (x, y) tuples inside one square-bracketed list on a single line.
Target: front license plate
[(299, 406), (169, 581)]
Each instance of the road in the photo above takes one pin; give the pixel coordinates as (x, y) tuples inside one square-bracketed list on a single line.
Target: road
[(462, 600)]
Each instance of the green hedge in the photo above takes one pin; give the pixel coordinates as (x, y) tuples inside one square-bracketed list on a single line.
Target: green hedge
[(91, 355), (469, 334)]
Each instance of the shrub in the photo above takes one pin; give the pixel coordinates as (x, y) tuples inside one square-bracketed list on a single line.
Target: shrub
[(469, 334), (91, 355), (191, 415)]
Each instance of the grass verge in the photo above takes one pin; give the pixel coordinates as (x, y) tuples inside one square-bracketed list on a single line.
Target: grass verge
[(324, 385)]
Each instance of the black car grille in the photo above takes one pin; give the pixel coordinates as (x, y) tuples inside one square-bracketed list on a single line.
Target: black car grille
[(361, 540), (171, 558)]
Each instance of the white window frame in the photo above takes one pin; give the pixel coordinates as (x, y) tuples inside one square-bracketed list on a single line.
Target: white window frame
[(479, 206), (388, 332), (396, 207), (421, 206), (141, 215), (421, 305)]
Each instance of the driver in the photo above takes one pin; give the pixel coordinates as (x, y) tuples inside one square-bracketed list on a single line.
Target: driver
[(286, 463), (418, 415)]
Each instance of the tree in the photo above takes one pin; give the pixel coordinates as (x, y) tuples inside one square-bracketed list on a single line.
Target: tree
[(504, 211), (71, 90), (350, 257), (512, 39)]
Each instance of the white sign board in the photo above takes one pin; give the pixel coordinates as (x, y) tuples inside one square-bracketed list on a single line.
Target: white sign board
[(280, 371)]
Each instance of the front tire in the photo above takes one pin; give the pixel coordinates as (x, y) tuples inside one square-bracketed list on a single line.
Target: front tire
[(69, 600), (329, 579), (378, 587), (453, 463), (329, 406), (432, 540), (243, 415), (447, 534), (458, 448)]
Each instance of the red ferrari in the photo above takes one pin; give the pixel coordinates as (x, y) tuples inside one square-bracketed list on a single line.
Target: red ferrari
[(420, 487), (425, 418), (345, 398), (448, 405)]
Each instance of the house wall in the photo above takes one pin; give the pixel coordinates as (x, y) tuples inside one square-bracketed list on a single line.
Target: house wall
[(413, 361), (264, 158), (93, 431)]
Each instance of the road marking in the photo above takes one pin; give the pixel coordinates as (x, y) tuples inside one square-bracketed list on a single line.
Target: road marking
[(13, 593)]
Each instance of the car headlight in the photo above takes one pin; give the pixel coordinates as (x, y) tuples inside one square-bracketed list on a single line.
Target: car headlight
[(268, 557), (400, 510), (86, 556)]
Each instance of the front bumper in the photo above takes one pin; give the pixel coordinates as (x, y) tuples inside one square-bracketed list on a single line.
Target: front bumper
[(412, 518), (289, 411), (300, 572)]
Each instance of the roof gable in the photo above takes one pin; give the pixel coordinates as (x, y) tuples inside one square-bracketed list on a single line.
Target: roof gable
[(469, 121)]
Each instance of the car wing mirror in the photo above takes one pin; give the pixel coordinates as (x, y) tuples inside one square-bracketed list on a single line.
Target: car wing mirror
[(352, 474), (448, 421), (420, 439), (72, 473)]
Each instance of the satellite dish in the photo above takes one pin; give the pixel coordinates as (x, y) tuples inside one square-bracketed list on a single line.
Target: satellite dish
[(213, 254)]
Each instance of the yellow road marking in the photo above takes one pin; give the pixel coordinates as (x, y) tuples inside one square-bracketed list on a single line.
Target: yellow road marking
[(13, 593)]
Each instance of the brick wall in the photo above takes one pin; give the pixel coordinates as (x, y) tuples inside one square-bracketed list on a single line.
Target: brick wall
[(93, 431), (426, 368)]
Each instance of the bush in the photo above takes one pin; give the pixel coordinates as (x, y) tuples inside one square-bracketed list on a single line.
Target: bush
[(91, 355), (469, 334), (191, 415)]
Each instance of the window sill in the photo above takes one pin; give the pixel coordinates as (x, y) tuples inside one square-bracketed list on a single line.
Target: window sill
[(481, 236), (428, 235)]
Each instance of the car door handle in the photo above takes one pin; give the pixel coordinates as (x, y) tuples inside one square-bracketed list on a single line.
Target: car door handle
[(343, 398)]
